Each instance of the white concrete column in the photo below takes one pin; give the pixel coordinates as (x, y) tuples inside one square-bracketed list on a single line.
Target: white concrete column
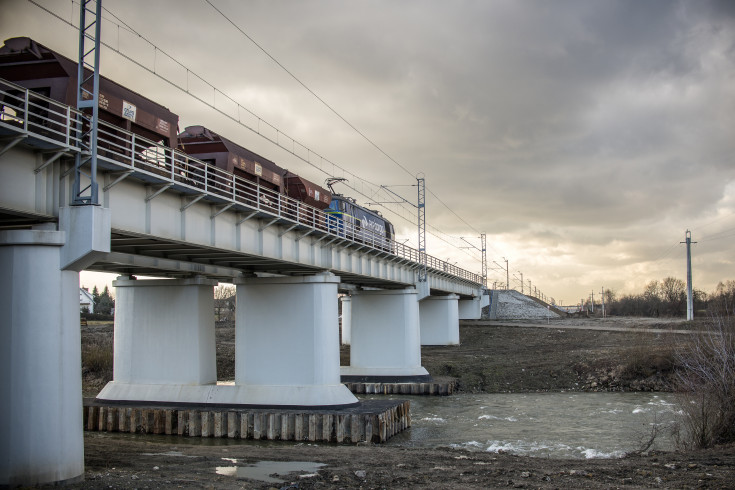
[(346, 319), (439, 317), (470, 309), (385, 337), (287, 342), (164, 340), (41, 434)]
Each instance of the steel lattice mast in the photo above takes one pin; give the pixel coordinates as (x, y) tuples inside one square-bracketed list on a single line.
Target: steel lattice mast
[(422, 227), (90, 23)]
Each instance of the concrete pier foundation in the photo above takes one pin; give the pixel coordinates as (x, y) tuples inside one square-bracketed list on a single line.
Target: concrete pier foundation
[(373, 421), (164, 349), (346, 316), (287, 342), (439, 319), (385, 338), (40, 362)]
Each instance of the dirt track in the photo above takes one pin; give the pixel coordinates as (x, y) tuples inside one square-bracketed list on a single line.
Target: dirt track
[(493, 357)]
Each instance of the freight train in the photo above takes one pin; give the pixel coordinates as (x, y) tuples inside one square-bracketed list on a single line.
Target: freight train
[(33, 66)]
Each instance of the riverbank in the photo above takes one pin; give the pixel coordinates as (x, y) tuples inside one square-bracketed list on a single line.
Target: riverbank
[(494, 357), (129, 461), (574, 354)]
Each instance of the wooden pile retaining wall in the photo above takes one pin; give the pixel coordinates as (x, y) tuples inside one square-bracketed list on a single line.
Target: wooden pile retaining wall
[(373, 421), (442, 388)]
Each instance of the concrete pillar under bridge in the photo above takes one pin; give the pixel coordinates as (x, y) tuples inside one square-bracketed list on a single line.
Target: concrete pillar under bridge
[(439, 319), (164, 346), (346, 319), (385, 338), (471, 309), (41, 436), (286, 343)]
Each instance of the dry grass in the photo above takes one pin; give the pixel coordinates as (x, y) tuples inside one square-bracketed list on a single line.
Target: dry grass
[(706, 384)]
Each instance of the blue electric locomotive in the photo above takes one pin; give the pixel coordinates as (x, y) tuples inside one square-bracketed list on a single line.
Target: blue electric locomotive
[(348, 219)]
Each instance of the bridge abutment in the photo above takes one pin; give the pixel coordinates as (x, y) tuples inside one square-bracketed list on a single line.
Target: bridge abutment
[(164, 348), (40, 361), (439, 319), (385, 337)]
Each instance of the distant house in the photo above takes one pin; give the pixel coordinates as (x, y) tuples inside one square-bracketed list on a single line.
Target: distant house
[(86, 300)]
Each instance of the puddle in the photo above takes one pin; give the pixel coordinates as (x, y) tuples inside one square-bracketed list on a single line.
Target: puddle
[(262, 470)]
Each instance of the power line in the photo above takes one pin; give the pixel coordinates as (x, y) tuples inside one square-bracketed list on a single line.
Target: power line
[(719, 235), (332, 109), (308, 89), (711, 222), (376, 189), (666, 252)]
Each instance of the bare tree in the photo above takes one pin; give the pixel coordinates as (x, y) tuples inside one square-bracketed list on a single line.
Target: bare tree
[(224, 302)]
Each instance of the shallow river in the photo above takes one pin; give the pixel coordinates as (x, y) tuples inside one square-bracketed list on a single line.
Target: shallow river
[(556, 425)]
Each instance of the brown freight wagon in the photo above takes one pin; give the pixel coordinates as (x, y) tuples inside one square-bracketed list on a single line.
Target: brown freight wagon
[(218, 151), (309, 193), (48, 73)]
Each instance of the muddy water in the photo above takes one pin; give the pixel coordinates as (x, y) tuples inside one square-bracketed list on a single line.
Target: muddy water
[(555, 425)]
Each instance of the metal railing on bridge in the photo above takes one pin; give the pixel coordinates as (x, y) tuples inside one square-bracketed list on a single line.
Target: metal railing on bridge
[(53, 125)]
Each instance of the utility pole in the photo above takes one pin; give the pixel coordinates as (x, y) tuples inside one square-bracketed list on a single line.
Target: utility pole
[(483, 251), (602, 294), (483, 245), (507, 275), (592, 299), (690, 295), (521, 273), (529, 287)]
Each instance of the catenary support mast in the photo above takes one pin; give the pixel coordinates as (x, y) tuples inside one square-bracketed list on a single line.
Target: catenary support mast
[(90, 22)]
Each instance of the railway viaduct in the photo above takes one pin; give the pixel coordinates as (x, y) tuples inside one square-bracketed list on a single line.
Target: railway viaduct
[(156, 219)]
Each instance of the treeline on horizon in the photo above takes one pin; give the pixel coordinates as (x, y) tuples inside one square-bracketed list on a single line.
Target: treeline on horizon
[(668, 297)]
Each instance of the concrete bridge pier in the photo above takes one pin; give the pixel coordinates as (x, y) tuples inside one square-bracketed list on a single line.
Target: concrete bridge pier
[(346, 319), (470, 309), (439, 319), (164, 348), (40, 361), (385, 338), (287, 342)]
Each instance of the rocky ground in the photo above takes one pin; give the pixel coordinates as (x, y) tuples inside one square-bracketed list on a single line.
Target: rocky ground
[(571, 354)]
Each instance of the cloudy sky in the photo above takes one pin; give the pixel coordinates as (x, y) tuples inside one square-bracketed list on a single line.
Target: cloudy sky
[(583, 137)]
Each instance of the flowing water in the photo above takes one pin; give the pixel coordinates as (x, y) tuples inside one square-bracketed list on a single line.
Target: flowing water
[(552, 425), (556, 425)]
